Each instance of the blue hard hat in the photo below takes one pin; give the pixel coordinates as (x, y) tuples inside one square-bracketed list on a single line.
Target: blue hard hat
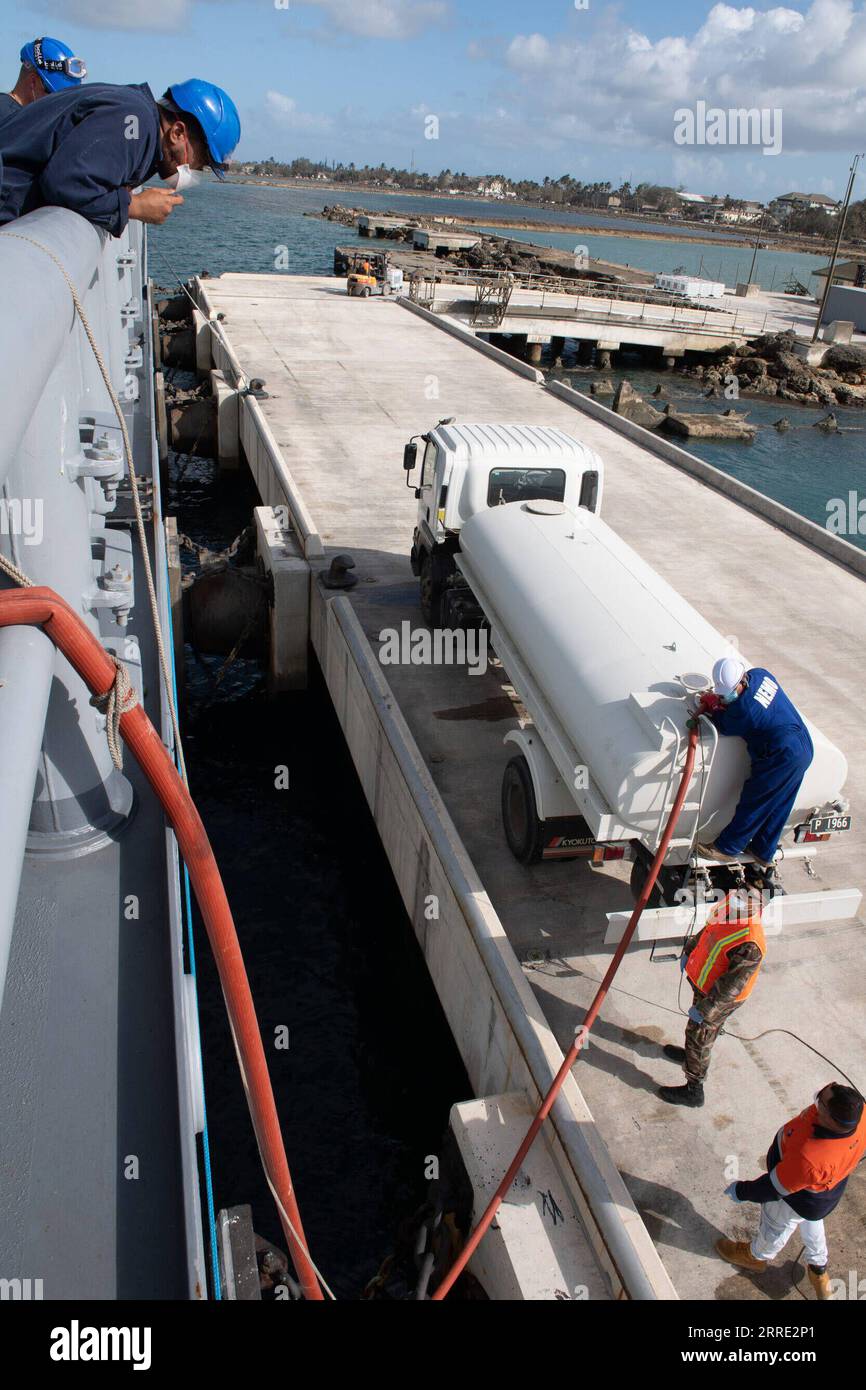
[(215, 112), (55, 62)]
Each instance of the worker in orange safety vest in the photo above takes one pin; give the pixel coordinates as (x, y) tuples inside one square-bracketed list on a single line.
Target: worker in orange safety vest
[(808, 1166), (722, 965)]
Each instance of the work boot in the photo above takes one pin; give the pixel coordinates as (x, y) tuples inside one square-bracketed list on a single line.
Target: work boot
[(676, 1053), (711, 852), (692, 1094), (739, 1252), (820, 1280), (766, 864)]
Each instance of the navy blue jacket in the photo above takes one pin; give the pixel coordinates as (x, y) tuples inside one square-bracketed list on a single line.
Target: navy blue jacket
[(84, 148), (811, 1206), (762, 715), (8, 105)]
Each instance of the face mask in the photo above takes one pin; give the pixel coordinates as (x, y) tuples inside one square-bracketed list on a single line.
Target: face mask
[(729, 699), (184, 178)]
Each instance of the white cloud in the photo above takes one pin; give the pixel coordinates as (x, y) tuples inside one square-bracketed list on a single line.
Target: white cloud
[(376, 19), (691, 170), (616, 83), (165, 15), (532, 52), (284, 113), (758, 171), (381, 19)]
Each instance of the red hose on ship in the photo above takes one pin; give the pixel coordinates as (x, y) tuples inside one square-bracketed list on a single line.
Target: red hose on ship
[(544, 1109), (41, 607)]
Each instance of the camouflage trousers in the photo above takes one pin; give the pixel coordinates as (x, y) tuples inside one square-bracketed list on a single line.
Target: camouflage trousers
[(700, 1038)]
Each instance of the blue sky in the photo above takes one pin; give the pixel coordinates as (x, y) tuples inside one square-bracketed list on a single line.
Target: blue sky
[(545, 87)]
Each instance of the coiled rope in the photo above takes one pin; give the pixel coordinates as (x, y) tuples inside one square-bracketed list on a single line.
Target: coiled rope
[(114, 703)]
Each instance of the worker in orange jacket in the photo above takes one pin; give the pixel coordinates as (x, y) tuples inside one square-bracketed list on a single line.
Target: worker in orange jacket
[(722, 965), (808, 1166)]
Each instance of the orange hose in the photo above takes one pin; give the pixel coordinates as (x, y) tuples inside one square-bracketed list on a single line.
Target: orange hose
[(44, 608), (544, 1109)]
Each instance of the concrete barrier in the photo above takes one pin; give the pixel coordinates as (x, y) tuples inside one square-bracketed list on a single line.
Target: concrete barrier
[(273, 477), (222, 354), (226, 419), (809, 532), (289, 571), (203, 342), (497, 1022)]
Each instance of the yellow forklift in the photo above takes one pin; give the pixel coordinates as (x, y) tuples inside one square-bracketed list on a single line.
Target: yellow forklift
[(371, 274)]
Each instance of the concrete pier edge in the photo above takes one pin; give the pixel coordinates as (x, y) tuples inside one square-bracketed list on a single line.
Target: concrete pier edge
[(361, 694)]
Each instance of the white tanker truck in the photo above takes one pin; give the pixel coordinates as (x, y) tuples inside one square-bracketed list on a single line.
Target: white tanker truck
[(606, 658), (467, 469)]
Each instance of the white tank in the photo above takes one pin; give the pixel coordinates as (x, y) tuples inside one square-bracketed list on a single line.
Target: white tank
[(605, 639)]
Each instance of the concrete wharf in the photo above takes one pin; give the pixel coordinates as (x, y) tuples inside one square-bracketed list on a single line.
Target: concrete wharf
[(516, 953)]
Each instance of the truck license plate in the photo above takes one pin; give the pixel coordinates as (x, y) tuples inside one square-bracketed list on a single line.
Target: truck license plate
[(820, 825)]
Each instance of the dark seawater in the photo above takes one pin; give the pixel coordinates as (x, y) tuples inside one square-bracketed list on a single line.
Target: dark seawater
[(803, 467), (365, 1087), (239, 226)]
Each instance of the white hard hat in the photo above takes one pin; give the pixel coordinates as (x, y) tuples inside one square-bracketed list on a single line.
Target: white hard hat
[(727, 674)]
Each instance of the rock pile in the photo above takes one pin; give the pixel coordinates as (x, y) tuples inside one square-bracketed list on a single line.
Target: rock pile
[(727, 424), (769, 366)]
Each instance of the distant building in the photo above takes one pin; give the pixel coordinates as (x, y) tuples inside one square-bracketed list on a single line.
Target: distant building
[(491, 188), (807, 202), (614, 202), (700, 205), (852, 273), (742, 212)]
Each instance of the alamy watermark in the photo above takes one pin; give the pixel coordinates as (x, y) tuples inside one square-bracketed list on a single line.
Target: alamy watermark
[(737, 126), (77, 1343), (21, 1290), (22, 516), (853, 1288), (692, 904), (846, 516), (443, 646)]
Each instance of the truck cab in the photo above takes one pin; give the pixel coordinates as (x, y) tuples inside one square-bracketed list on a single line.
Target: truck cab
[(466, 468)]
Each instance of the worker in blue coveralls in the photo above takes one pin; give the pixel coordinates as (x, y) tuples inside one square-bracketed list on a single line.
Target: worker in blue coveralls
[(88, 149), (47, 65), (753, 705)]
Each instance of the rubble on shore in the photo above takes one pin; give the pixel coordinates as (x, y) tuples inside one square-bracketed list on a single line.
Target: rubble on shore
[(770, 367), (728, 424)]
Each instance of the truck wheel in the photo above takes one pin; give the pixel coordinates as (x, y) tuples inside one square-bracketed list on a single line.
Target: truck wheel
[(365, 292), (431, 593), (523, 830)]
